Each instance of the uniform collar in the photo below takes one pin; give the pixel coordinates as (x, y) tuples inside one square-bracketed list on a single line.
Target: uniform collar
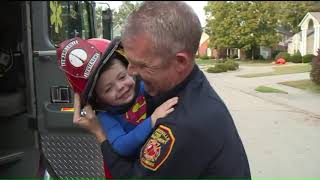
[(155, 101)]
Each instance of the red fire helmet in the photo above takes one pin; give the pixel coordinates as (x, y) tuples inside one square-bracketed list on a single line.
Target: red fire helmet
[(80, 59)]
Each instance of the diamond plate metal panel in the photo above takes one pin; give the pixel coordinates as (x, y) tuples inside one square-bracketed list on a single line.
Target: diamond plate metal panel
[(73, 156)]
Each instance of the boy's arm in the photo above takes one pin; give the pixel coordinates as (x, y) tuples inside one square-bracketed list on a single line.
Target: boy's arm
[(124, 143), (127, 144)]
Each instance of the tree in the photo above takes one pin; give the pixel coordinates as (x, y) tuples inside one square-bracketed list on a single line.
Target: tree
[(221, 25), (241, 24), (290, 13), (124, 10), (267, 23), (315, 71), (99, 21)]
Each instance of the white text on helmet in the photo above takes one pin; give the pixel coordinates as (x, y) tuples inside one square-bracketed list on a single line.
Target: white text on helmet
[(90, 64), (65, 50)]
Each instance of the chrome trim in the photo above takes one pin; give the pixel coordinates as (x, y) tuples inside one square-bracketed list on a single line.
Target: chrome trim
[(45, 53)]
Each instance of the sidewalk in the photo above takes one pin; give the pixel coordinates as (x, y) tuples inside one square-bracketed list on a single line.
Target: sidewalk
[(280, 132), (298, 99)]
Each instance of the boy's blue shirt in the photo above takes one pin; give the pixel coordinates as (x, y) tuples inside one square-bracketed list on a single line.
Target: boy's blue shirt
[(129, 131)]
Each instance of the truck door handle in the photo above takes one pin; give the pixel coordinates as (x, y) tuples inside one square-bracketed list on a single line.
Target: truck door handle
[(45, 53)]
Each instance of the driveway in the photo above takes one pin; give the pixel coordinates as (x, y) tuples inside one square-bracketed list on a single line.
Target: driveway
[(280, 132)]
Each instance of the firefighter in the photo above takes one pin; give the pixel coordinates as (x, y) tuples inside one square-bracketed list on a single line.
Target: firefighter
[(199, 139)]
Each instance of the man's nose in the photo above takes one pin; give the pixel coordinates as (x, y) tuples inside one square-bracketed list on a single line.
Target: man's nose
[(132, 70)]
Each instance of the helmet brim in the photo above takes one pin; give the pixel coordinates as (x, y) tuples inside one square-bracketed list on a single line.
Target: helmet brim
[(87, 93)]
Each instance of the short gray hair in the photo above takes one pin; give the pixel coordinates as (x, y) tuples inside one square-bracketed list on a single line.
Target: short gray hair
[(173, 26)]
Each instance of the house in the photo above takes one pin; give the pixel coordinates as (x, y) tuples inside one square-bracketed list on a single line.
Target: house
[(203, 46), (307, 41), (265, 52), (284, 41), (295, 42), (116, 31), (214, 53)]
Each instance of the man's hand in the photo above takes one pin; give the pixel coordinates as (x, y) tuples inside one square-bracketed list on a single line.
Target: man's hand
[(163, 110), (88, 120)]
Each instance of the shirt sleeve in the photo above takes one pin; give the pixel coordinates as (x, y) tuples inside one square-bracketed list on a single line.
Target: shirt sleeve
[(125, 144)]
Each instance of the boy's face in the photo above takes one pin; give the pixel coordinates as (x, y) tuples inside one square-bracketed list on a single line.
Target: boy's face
[(115, 86)]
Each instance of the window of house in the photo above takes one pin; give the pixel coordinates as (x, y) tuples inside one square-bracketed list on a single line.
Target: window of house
[(68, 19), (209, 52)]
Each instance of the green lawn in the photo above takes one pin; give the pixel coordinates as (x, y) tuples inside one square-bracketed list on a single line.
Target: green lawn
[(303, 84), (205, 61), (266, 89), (301, 68), (256, 63), (241, 62)]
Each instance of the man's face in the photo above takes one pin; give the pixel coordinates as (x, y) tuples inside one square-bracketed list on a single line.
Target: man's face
[(156, 73)]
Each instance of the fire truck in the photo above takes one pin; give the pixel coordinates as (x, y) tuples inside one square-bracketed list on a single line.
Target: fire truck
[(37, 136)]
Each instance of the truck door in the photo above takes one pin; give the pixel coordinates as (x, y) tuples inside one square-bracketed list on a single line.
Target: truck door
[(19, 155), (67, 151)]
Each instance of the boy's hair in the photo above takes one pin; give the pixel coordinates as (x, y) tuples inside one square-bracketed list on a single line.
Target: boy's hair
[(115, 58)]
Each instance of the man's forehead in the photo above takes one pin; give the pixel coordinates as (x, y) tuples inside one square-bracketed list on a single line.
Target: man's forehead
[(136, 59), (136, 53), (136, 41)]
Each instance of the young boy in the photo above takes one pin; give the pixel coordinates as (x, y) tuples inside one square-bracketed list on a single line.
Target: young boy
[(97, 71)]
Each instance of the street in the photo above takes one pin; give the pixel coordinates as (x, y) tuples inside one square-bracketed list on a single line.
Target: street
[(280, 132)]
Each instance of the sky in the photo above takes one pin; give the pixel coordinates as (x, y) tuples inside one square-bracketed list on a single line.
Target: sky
[(196, 5)]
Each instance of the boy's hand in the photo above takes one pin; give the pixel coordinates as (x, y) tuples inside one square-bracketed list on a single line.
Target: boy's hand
[(88, 120), (163, 110)]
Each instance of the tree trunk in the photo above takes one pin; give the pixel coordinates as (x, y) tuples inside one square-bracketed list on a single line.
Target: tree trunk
[(252, 54)]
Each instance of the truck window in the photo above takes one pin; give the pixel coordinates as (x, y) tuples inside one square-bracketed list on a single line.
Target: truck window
[(68, 19)]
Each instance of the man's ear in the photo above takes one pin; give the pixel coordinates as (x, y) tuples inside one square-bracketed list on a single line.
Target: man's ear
[(182, 61)]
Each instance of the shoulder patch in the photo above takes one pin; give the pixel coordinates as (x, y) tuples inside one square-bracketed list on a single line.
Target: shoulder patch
[(157, 149)]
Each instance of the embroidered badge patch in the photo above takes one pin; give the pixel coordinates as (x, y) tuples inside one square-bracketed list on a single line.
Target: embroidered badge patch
[(157, 149), (138, 112)]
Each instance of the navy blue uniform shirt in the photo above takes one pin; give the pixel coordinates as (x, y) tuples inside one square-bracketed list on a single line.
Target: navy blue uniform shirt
[(197, 140)]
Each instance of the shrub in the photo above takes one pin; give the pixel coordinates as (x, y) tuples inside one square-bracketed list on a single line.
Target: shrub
[(223, 66), (307, 58), (235, 56), (220, 60), (274, 54), (284, 55), (315, 70), (259, 57), (231, 65), (204, 57), (296, 58), (218, 68)]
